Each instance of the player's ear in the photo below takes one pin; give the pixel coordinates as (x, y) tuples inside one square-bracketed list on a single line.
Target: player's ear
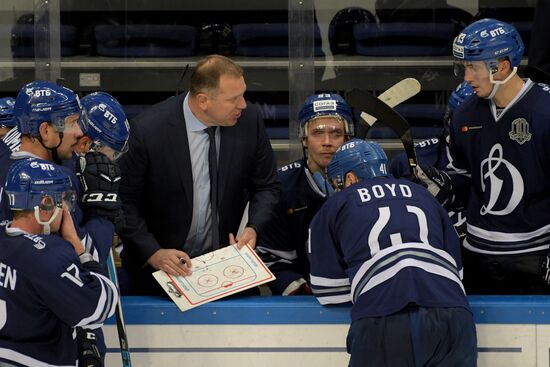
[(504, 66), (47, 132), (350, 179), (83, 144)]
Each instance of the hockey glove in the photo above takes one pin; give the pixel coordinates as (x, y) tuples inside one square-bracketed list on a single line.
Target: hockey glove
[(323, 184), (88, 353), (100, 180), (438, 184)]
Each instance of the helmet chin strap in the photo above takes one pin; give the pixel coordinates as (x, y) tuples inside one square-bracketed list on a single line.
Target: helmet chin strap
[(53, 150), (46, 225), (498, 83)]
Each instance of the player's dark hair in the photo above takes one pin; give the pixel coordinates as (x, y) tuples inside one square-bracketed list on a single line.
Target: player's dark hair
[(207, 73)]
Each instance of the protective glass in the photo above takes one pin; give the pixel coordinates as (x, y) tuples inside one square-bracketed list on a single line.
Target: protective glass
[(71, 123), (113, 154), (475, 67), (321, 131), (52, 200)]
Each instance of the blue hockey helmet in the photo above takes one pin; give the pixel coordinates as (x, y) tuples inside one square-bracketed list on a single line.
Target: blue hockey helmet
[(6, 112), (35, 183), (323, 105), (365, 158), (488, 40), (108, 126), (42, 101)]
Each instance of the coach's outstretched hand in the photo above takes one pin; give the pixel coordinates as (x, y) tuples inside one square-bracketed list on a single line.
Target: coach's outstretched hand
[(438, 184), (100, 180)]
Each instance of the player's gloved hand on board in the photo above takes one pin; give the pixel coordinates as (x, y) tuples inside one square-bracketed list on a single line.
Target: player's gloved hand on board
[(438, 184), (323, 185), (100, 180)]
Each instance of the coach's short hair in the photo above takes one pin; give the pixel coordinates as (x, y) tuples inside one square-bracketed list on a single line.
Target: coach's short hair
[(207, 73)]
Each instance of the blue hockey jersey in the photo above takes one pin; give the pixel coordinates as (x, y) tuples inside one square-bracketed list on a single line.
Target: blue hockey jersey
[(508, 158), (282, 244), (45, 292), (96, 233), (383, 243)]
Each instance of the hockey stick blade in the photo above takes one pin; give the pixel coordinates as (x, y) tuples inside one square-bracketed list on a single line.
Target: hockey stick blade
[(121, 328), (365, 101), (394, 95)]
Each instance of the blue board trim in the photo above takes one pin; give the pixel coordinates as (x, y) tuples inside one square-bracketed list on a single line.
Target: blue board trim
[(306, 310)]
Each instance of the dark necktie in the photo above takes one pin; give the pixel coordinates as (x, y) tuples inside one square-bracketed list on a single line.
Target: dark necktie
[(213, 168)]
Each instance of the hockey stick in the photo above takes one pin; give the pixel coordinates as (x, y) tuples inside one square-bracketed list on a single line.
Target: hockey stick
[(121, 328), (365, 101), (394, 95)]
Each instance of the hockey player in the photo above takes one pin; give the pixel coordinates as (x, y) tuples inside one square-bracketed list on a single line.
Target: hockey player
[(386, 245), (51, 122), (499, 140), (108, 127), (49, 118), (50, 287), (435, 152), (98, 149), (325, 124)]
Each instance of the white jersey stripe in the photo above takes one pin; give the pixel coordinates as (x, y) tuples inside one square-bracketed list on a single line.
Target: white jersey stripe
[(409, 262), (495, 236), (328, 282), (409, 246), (334, 299)]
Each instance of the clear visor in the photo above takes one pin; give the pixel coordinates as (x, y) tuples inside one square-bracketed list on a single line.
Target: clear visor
[(74, 123), (113, 154), (323, 130), (58, 199), (476, 67)]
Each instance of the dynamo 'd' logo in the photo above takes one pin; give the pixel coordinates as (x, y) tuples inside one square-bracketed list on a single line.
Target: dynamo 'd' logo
[(489, 168)]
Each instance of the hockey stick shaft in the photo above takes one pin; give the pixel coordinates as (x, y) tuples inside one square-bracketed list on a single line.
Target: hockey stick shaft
[(394, 95), (120, 325), (365, 101)]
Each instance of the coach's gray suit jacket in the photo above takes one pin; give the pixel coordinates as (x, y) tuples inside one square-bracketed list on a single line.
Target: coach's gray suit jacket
[(157, 183)]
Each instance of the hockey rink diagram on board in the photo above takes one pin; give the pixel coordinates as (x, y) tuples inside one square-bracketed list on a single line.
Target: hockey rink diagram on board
[(215, 275)]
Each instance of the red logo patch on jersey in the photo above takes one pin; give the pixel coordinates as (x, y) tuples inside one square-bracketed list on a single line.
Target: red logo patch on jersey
[(465, 129)]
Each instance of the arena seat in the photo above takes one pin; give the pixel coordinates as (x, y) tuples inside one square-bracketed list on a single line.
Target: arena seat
[(404, 39), (266, 40), (145, 40), (22, 40)]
